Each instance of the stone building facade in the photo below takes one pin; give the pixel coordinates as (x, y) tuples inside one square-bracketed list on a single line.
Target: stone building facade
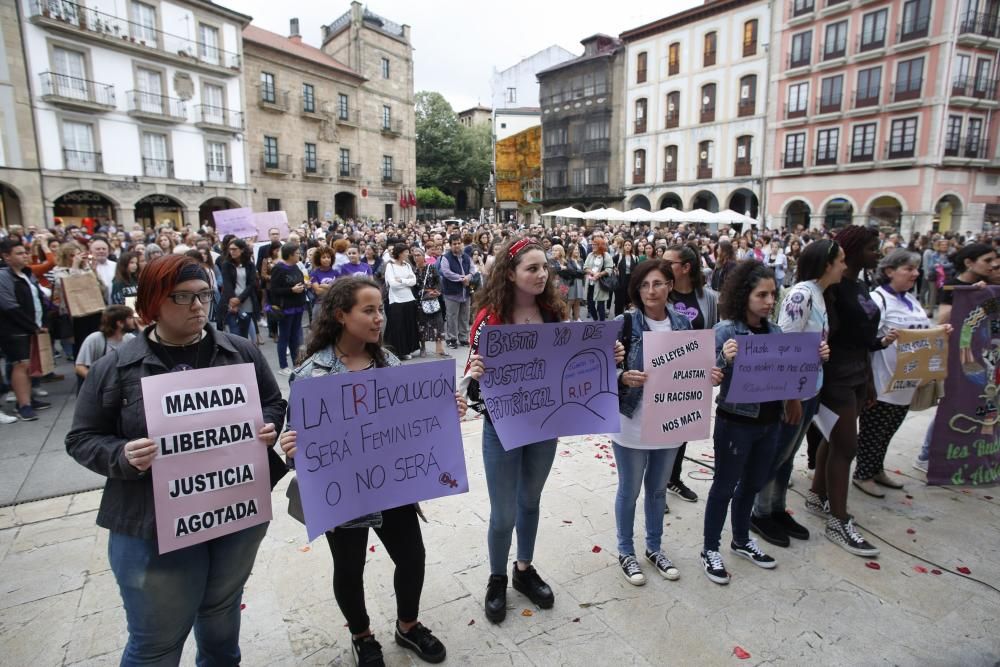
[(383, 148), (20, 182)]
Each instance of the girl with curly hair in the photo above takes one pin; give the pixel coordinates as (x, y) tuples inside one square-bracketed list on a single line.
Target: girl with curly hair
[(746, 434), (347, 336), (847, 386), (520, 289)]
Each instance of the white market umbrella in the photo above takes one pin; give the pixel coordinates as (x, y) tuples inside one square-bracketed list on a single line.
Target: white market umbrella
[(668, 214), (568, 212), (698, 215), (730, 217), (603, 214), (638, 215)]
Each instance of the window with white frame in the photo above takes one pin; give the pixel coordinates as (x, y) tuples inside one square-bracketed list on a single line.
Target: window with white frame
[(78, 146), (953, 136), (801, 49), (212, 104), (143, 26), (218, 162), (827, 145), (69, 69), (798, 99), (973, 137), (149, 84), (903, 138), (795, 149), (863, 142), (873, 26), (835, 40), (155, 156), (208, 43)]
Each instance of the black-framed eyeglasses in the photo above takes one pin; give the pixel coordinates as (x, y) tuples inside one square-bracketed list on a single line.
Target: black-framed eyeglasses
[(187, 298)]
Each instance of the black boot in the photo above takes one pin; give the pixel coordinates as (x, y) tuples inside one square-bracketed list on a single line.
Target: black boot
[(530, 584), (496, 598)]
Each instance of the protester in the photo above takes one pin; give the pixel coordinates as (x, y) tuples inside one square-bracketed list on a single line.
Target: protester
[(239, 290), (402, 334), (455, 268), (430, 315), (117, 328), (126, 282), (288, 302), (802, 311), (641, 463), (347, 336), (597, 265), (624, 265), (572, 273), (854, 334), (199, 586), (354, 265), (897, 275), (518, 290)]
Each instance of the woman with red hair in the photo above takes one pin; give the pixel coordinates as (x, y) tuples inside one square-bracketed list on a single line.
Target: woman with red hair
[(199, 586)]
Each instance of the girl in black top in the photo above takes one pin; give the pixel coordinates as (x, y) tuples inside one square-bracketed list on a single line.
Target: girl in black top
[(626, 263), (847, 386)]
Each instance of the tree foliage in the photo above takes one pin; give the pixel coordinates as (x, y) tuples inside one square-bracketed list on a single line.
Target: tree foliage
[(449, 153), (434, 198)]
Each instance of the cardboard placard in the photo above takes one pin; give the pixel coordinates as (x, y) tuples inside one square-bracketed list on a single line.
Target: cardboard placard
[(921, 357), (84, 294)]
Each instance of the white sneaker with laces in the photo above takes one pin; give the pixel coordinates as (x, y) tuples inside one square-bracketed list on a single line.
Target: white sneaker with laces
[(6, 418)]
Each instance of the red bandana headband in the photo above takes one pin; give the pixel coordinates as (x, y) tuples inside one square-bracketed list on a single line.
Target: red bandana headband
[(519, 246)]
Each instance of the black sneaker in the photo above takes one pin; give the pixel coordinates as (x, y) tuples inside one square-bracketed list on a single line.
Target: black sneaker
[(817, 506), (420, 640), (631, 570), (769, 530), (40, 405), (844, 534), (792, 527), (752, 553), (26, 413), (530, 584), (681, 490), (663, 565), (496, 598), (453, 345), (715, 569), (367, 652)]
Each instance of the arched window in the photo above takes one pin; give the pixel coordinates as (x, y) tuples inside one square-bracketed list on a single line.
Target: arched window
[(747, 105), (673, 115), (742, 165), (670, 164), (750, 38), (708, 103), (640, 68), (706, 157), (711, 40), (639, 167), (640, 115)]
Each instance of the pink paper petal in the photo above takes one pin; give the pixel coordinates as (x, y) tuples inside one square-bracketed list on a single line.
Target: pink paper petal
[(740, 653), (596, 549), (910, 531), (935, 571), (242, 606), (920, 568), (305, 549), (372, 548), (963, 569), (872, 565)]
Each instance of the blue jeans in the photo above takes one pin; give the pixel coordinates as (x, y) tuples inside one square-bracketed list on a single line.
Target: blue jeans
[(636, 467), (289, 338), (595, 308), (165, 595), (772, 498), (514, 480), (925, 449), (239, 324), (743, 457)]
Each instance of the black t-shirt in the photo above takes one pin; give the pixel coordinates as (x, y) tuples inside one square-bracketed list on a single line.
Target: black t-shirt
[(687, 305), (183, 357), (947, 296), (770, 411)]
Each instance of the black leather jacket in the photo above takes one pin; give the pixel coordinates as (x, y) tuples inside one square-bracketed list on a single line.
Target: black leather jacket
[(110, 413)]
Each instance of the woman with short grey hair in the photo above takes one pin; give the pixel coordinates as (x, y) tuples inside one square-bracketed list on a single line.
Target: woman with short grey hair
[(897, 274)]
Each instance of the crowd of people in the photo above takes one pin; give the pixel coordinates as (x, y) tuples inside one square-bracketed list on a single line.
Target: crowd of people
[(375, 294)]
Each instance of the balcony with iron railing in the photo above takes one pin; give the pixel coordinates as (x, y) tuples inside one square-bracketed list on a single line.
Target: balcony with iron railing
[(793, 160), (313, 168), (348, 116), (830, 103), (156, 168), (742, 167), (899, 150), (154, 107), (640, 125), (825, 158), (672, 120), (903, 91), (797, 8), (979, 24), (833, 51), (704, 172), (349, 171), (392, 176), (275, 163), (218, 173), (80, 21), (311, 107), (799, 60), (917, 28), (798, 111), (973, 89), (708, 60), (870, 41), (669, 174), (746, 107), (707, 113), (555, 191), (861, 153), (70, 91), (392, 128), (272, 99), (555, 151), (210, 117), (974, 148), (591, 146), (82, 161), (868, 97)]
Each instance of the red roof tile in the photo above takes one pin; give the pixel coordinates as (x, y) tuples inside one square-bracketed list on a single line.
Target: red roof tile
[(295, 48)]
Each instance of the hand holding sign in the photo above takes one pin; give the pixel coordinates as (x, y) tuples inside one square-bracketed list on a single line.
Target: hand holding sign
[(774, 367)]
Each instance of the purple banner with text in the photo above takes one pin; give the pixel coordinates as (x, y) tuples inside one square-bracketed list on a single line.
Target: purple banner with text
[(775, 367), (965, 447), (374, 440), (543, 381), (677, 396)]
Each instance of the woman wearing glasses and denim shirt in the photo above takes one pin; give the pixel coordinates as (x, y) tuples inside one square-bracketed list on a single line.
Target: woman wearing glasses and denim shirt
[(746, 434), (640, 463), (199, 586)]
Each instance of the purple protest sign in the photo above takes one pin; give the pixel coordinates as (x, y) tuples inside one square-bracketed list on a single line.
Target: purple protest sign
[(236, 221), (265, 222), (543, 381), (373, 440), (775, 367)]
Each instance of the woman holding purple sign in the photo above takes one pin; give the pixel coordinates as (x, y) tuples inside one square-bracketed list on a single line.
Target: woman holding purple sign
[(746, 434), (519, 290), (347, 336), (638, 462)]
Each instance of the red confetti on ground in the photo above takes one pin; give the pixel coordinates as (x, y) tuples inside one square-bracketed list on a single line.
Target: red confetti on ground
[(920, 568), (305, 549), (898, 471), (372, 548), (613, 465), (576, 620), (935, 571), (963, 569), (596, 549), (740, 653), (910, 531), (242, 607), (527, 612), (872, 565), (472, 621), (598, 456)]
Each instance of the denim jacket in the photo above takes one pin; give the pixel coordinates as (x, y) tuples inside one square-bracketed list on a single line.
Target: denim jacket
[(725, 330), (629, 398)]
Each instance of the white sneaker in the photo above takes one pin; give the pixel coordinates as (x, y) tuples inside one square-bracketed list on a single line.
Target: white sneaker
[(39, 392), (284, 371), (920, 465), (6, 418), (631, 570)]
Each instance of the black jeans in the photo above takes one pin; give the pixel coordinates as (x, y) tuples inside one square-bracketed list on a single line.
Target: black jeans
[(401, 537), (596, 309)]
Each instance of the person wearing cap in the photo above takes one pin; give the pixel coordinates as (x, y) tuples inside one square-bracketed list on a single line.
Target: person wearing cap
[(199, 586)]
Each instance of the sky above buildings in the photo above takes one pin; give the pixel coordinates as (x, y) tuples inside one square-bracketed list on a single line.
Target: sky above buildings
[(457, 43)]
